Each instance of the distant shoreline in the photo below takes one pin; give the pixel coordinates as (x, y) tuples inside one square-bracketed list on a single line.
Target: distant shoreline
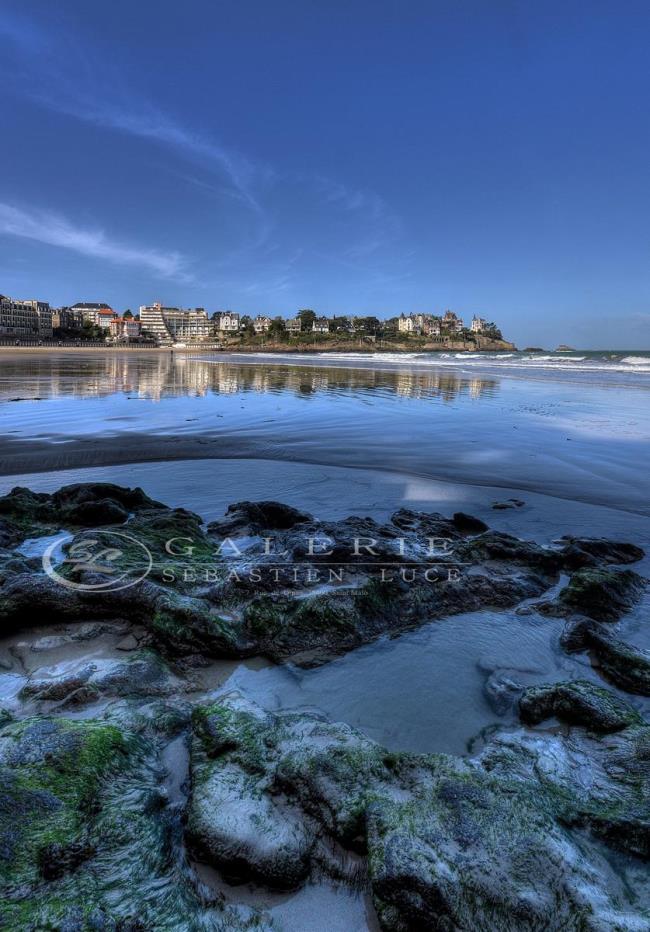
[(282, 350)]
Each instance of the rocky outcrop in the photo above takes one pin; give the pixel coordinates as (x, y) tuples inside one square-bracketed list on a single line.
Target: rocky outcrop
[(493, 843), (579, 552), (257, 517), (283, 601), (626, 666), (603, 594), (142, 674), (102, 825), (82, 816), (578, 702), (88, 504)]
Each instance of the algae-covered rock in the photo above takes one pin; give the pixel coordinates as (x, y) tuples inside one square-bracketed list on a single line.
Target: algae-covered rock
[(578, 702), (142, 674), (244, 831), (493, 843), (234, 820), (626, 666), (85, 842), (313, 628), (52, 772), (256, 517), (603, 594), (158, 567), (578, 552), (496, 546), (87, 504)]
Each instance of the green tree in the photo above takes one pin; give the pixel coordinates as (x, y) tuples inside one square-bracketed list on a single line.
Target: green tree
[(127, 315), (368, 324), (277, 328), (246, 325), (340, 323), (493, 331), (307, 317)]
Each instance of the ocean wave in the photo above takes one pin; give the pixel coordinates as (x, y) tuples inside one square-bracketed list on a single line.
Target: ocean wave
[(602, 362), (560, 359)]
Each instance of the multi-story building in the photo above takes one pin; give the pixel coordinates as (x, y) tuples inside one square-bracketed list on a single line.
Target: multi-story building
[(261, 324), (64, 318), (452, 322), (478, 324), (44, 314), (228, 322), (321, 325), (406, 324), (93, 312), (169, 325), (124, 328), (429, 324), (294, 325), (432, 326), (104, 317), (18, 318)]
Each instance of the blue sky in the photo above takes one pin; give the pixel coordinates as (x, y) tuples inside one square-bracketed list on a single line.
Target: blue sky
[(354, 157)]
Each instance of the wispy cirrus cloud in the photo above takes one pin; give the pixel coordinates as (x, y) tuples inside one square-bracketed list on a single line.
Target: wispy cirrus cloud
[(44, 226), (283, 215), (142, 120), (59, 74)]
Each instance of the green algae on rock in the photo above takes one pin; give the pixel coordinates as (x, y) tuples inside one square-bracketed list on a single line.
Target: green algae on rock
[(494, 843), (626, 666), (85, 841), (578, 702), (603, 594)]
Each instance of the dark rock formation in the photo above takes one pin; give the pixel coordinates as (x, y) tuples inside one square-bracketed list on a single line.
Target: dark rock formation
[(484, 844), (257, 517), (81, 817), (626, 666), (603, 594), (87, 504), (143, 674), (468, 524), (579, 552), (577, 702), (400, 574)]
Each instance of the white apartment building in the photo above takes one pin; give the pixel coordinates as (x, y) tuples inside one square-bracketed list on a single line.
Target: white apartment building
[(406, 324), (168, 325)]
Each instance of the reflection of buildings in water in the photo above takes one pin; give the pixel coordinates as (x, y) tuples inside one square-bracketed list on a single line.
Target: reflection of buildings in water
[(157, 376), (476, 388), (443, 384)]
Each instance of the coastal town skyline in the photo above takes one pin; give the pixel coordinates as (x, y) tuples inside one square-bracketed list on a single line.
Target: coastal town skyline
[(29, 320)]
